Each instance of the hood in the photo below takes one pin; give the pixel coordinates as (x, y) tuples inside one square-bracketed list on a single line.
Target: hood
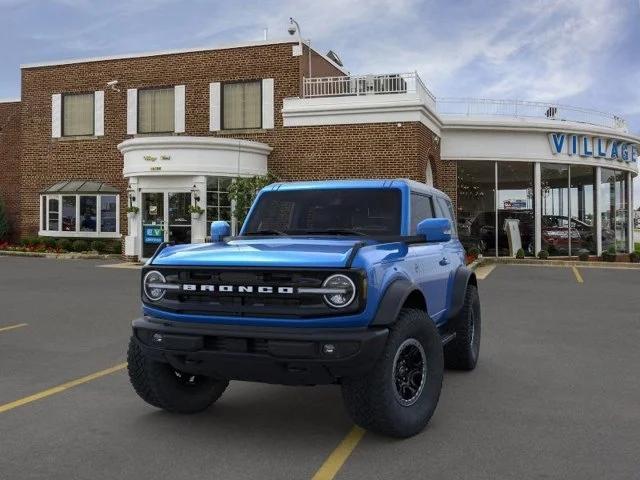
[(261, 252)]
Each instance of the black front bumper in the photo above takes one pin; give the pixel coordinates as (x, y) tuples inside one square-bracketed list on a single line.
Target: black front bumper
[(290, 356)]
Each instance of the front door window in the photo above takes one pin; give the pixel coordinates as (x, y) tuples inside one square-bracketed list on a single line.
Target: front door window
[(153, 231), (165, 218), (179, 218)]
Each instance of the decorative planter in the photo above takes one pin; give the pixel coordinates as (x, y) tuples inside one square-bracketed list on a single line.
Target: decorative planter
[(195, 216), (131, 215)]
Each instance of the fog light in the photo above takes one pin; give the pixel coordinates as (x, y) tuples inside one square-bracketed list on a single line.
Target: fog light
[(157, 338), (329, 348)]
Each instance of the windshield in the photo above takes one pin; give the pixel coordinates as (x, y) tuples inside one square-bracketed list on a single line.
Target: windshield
[(353, 211)]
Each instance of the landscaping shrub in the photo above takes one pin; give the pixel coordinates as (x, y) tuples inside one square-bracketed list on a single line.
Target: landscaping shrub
[(610, 254), (65, 244), (583, 255), (29, 241), (634, 257), (520, 253), (116, 247), (48, 242), (79, 246), (99, 246), (543, 254)]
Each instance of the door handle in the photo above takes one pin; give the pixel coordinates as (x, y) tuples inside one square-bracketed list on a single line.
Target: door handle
[(444, 261)]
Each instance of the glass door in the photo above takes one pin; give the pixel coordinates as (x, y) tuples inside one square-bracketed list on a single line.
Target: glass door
[(153, 222), (179, 220)]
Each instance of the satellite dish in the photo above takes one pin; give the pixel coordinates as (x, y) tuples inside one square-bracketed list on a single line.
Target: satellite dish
[(334, 57)]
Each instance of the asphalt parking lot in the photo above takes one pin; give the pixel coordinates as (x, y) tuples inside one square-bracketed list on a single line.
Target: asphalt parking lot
[(556, 393)]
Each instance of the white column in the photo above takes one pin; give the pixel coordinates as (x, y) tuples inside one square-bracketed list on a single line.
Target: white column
[(199, 226), (596, 209), (630, 210), (132, 244), (537, 195)]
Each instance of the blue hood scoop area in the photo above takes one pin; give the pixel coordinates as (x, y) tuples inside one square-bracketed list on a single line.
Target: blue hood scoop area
[(286, 252)]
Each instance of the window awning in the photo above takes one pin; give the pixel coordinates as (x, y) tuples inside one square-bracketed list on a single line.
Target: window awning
[(81, 186)]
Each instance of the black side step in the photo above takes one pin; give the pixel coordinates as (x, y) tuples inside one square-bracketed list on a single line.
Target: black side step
[(447, 337)]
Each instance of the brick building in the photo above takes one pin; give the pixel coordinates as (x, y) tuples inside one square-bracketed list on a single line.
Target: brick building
[(163, 131)]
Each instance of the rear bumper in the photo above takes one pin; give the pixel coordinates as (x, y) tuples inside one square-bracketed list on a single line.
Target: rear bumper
[(290, 356)]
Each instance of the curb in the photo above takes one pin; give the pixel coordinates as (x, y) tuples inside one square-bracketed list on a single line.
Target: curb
[(561, 263), (62, 256)]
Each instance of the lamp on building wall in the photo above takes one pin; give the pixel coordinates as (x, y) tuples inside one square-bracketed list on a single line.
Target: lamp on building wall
[(132, 195), (294, 28), (196, 194)]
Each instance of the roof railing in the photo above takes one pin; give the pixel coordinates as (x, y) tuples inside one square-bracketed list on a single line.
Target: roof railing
[(411, 83), (357, 85), (479, 107)]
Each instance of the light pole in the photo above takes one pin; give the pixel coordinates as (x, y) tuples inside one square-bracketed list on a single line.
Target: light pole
[(294, 28)]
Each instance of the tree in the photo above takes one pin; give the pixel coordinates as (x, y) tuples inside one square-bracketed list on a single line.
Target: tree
[(4, 221), (243, 191)]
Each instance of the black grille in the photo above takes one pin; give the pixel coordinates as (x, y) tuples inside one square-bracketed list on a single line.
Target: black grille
[(254, 304)]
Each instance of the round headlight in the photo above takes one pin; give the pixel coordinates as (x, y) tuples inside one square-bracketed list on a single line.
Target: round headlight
[(344, 290), (152, 284)]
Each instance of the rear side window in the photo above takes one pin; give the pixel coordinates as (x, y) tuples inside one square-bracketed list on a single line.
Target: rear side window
[(447, 210), (421, 208)]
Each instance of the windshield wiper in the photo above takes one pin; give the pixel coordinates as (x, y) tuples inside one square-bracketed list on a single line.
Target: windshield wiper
[(336, 231), (267, 231)]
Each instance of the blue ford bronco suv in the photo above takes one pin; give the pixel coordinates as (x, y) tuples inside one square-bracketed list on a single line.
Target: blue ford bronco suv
[(360, 283)]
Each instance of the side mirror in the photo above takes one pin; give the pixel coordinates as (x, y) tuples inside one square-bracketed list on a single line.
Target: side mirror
[(435, 229), (219, 230)]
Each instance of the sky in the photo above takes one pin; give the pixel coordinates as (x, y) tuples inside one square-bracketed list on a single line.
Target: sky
[(577, 52)]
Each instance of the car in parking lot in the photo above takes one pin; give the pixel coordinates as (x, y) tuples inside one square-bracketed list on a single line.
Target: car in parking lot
[(356, 283)]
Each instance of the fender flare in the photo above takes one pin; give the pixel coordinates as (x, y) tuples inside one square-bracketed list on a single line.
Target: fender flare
[(392, 300), (463, 277)]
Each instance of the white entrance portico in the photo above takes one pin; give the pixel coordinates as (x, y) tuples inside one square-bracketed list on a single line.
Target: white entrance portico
[(167, 174)]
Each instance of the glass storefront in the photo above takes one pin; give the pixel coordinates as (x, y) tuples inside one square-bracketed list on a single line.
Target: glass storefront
[(476, 206), (582, 209), (614, 210), (501, 223), (516, 220)]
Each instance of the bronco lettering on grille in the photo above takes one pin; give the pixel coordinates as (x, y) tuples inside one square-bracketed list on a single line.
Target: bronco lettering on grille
[(189, 287)]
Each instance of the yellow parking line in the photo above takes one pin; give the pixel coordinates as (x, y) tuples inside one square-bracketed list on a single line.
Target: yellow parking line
[(483, 271), (11, 327), (60, 388), (577, 274), (334, 462)]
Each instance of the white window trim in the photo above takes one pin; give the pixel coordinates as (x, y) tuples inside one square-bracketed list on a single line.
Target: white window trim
[(78, 233), (56, 115), (132, 111), (215, 112), (268, 103), (98, 113), (179, 108)]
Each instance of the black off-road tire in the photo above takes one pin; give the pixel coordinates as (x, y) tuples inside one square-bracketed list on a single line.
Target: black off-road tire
[(160, 385), (463, 351), (374, 401)]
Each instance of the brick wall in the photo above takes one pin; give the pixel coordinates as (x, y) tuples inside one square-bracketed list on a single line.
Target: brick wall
[(340, 151), (9, 160), (45, 161)]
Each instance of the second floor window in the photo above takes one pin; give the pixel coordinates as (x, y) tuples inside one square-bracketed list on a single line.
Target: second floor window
[(242, 105), (156, 110), (77, 114)]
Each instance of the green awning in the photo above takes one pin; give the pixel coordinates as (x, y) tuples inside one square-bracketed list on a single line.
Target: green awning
[(81, 186)]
